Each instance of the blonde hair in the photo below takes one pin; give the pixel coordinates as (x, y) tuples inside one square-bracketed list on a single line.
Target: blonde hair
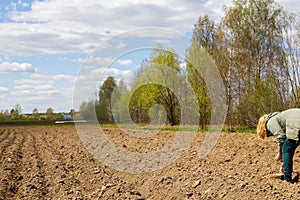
[(261, 127)]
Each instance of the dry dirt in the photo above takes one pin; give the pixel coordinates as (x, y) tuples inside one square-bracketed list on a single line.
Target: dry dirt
[(52, 163)]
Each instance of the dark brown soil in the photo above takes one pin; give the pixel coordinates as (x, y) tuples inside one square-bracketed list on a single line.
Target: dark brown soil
[(52, 163), (31, 123)]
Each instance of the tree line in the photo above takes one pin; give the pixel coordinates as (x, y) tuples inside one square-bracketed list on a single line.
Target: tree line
[(255, 48), (16, 114)]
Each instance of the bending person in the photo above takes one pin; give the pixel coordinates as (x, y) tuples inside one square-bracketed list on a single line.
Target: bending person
[(285, 127)]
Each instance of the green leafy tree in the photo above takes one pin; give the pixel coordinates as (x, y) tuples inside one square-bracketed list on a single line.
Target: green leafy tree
[(50, 114), (264, 98), (205, 33), (197, 57), (72, 113), (4, 115), (251, 47), (104, 110), (87, 110), (16, 112), (121, 110), (292, 41), (203, 39), (141, 100), (165, 65), (35, 114), (156, 84), (118, 102)]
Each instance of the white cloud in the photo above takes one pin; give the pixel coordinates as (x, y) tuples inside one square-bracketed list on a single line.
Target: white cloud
[(34, 89), (42, 91), (99, 61), (30, 81), (64, 77), (182, 65), (16, 67), (100, 75), (120, 45), (37, 92), (4, 89), (44, 87), (70, 26), (46, 38), (75, 26), (24, 87), (290, 5), (38, 79), (41, 97), (163, 42), (126, 62), (24, 4), (39, 76), (78, 60)]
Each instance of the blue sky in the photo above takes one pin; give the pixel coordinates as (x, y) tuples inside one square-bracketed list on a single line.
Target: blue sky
[(44, 44)]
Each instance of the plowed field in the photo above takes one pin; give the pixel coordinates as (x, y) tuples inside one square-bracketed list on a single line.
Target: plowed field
[(52, 163)]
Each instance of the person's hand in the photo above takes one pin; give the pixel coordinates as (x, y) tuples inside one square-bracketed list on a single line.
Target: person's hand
[(278, 157)]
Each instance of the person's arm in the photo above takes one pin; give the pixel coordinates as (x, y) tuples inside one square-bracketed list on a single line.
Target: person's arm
[(280, 143), (278, 132), (279, 155), (280, 136)]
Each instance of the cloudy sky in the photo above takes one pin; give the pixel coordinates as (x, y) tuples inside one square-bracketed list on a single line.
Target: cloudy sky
[(45, 43)]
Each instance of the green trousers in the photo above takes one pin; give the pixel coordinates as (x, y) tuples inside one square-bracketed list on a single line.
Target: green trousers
[(288, 149)]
